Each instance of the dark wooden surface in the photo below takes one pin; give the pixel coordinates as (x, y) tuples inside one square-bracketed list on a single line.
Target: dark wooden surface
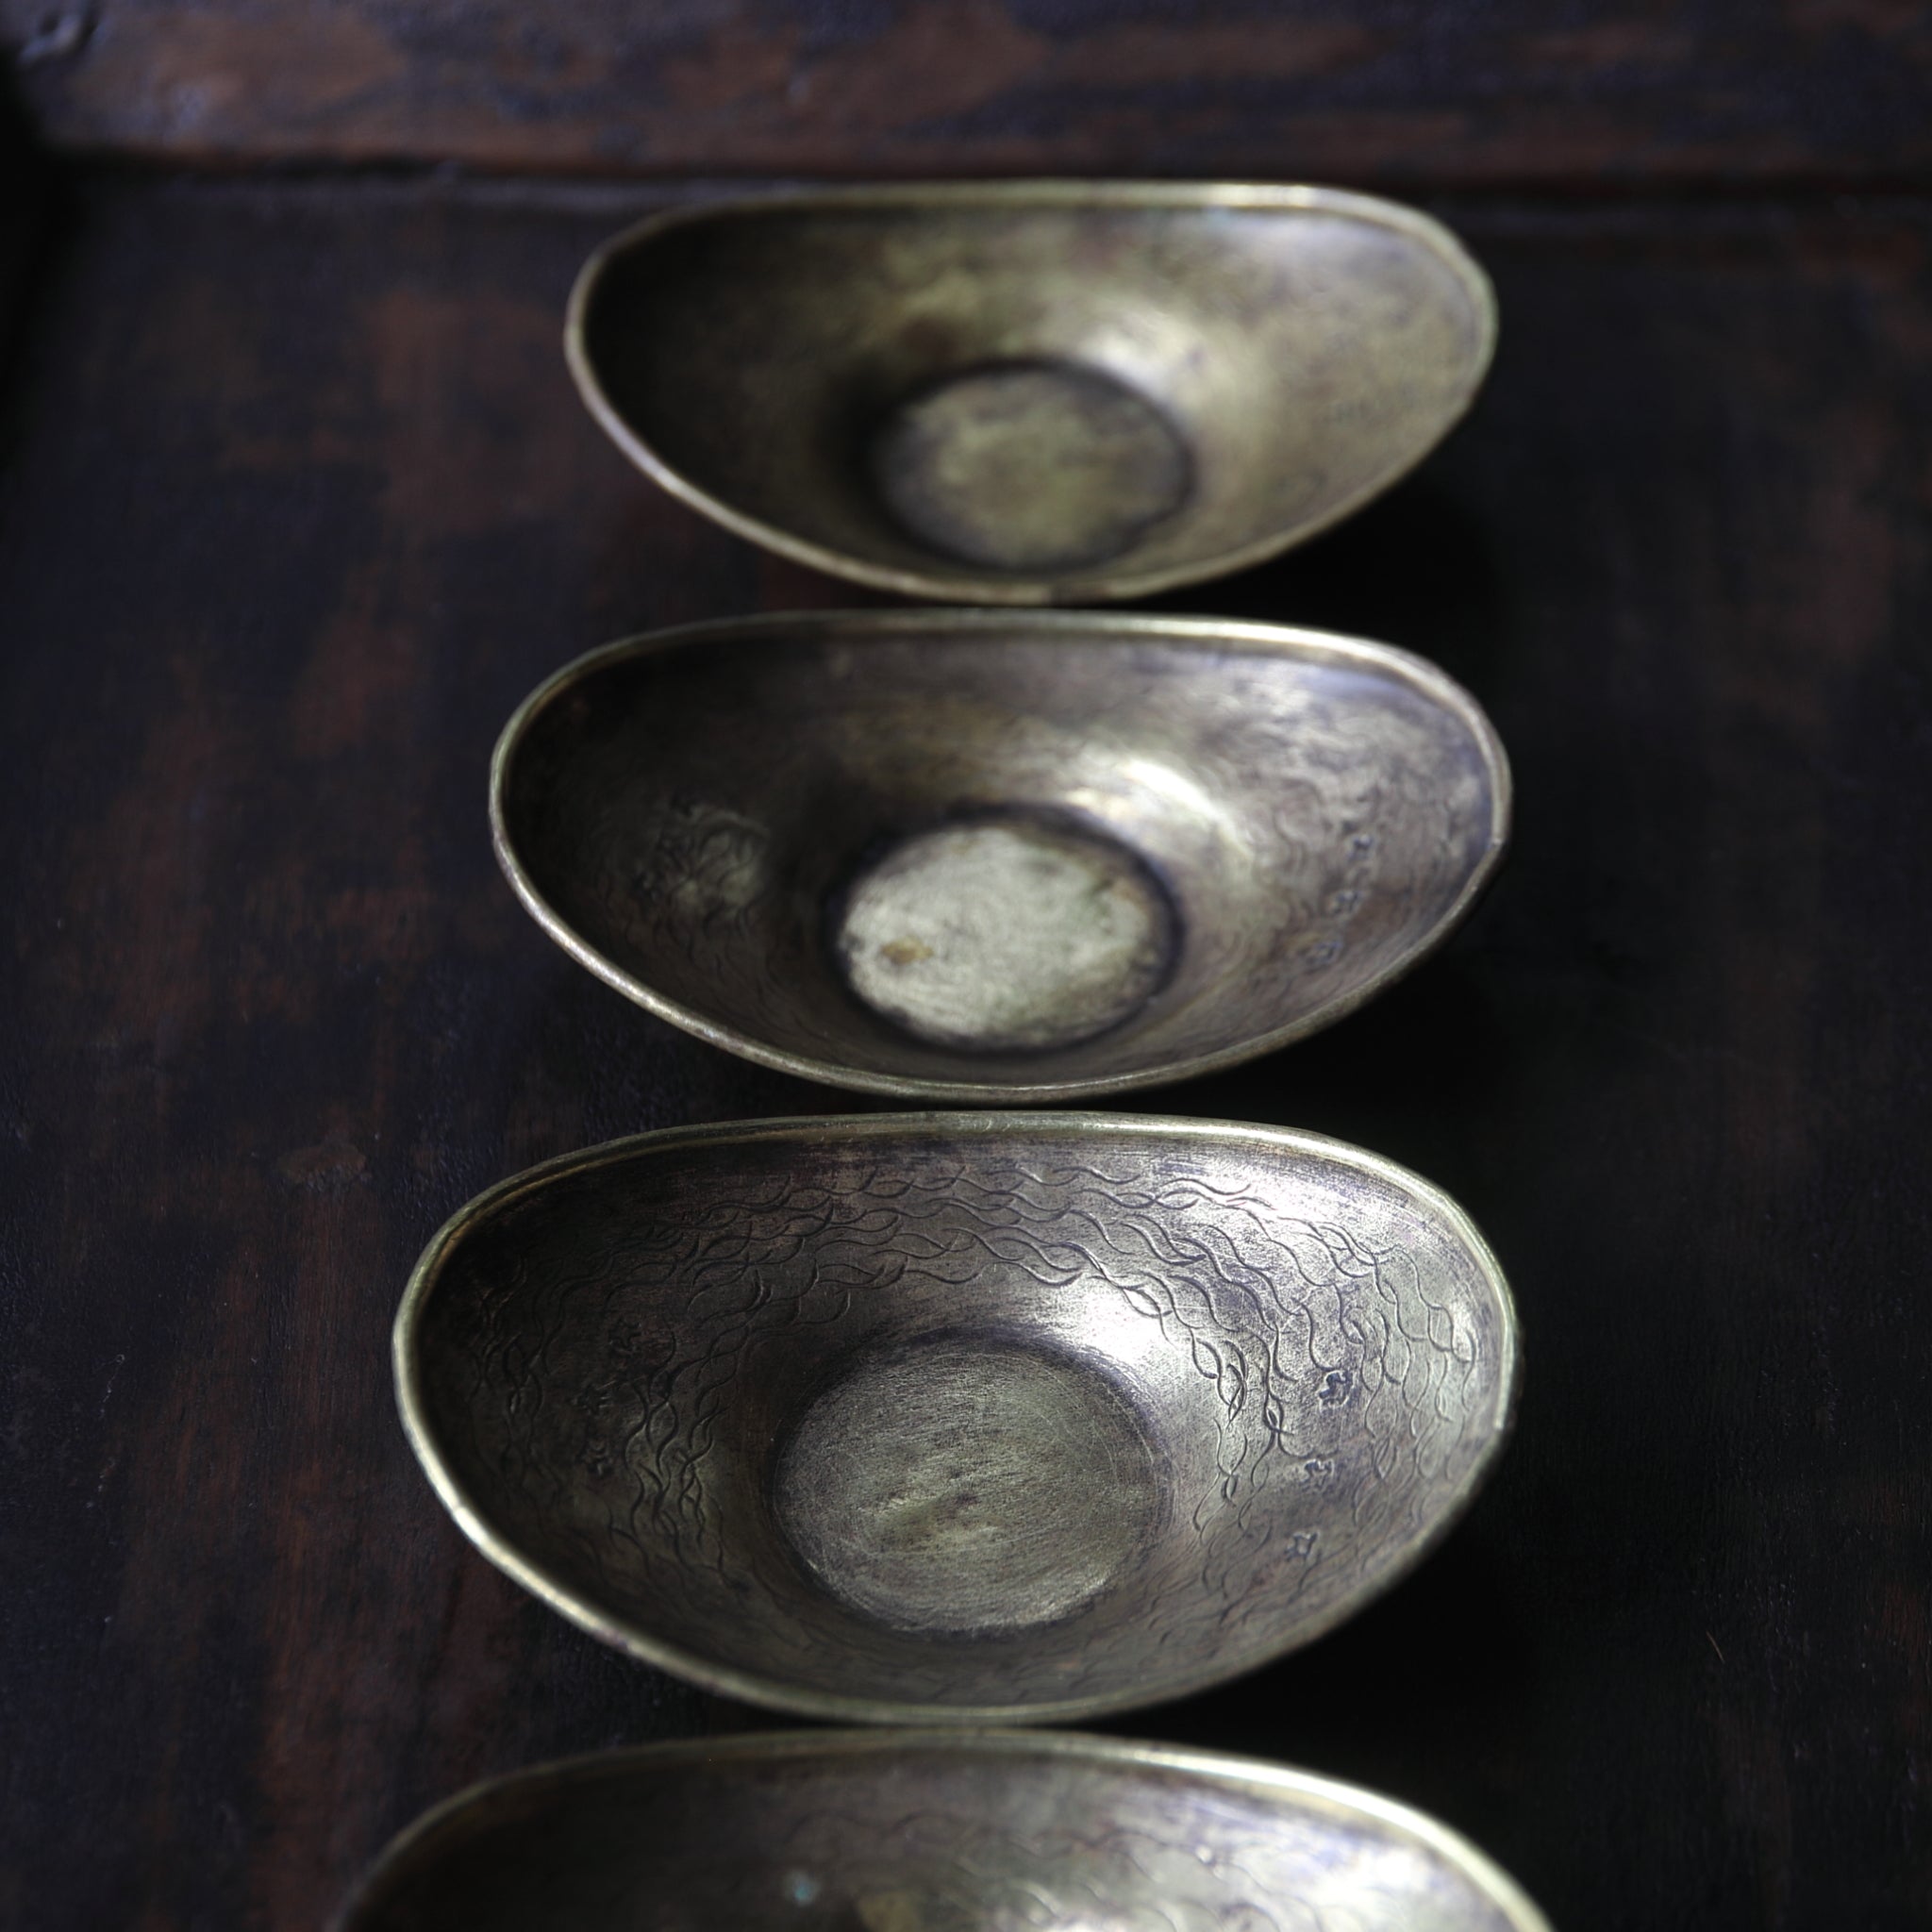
[(1400, 92), (298, 503)]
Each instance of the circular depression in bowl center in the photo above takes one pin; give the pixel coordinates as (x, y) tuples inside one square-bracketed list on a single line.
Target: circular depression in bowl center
[(968, 1486), (1007, 934), (1028, 466)]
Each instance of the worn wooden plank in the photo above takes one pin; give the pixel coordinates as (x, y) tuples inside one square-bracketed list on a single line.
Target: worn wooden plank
[(1368, 91), (300, 504)]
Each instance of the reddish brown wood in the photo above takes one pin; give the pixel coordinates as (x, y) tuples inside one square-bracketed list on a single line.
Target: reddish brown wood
[(1354, 91), (299, 503)]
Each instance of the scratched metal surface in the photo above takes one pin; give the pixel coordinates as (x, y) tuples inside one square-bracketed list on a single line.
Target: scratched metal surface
[(299, 504)]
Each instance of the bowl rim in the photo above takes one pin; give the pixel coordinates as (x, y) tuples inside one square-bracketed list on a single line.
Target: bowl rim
[(1101, 585), (751, 1687), (1090, 628), (1284, 1787)]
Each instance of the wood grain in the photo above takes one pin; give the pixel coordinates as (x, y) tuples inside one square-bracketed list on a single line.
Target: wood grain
[(299, 503), (1367, 92)]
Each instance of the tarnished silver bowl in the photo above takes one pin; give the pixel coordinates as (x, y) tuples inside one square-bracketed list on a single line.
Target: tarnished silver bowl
[(829, 1831), (971, 856), (958, 1417), (1031, 391)]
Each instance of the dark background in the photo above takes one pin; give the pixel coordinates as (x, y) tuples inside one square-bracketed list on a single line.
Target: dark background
[(298, 503)]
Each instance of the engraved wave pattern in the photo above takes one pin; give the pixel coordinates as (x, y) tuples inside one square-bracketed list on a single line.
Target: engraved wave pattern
[(1346, 1380)]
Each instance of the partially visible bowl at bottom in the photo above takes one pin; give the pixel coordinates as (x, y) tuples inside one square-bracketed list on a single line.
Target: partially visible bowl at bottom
[(907, 1832)]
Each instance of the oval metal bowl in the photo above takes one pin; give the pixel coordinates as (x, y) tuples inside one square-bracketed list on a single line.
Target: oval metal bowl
[(958, 1417), (991, 857), (871, 1832), (1031, 393)]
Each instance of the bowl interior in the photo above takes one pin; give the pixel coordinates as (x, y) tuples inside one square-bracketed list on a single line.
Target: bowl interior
[(884, 1415), (832, 1834), (1032, 393), (1000, 859)]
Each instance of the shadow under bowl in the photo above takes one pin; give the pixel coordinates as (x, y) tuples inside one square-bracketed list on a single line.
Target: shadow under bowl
[(998, 857), (834, 1831), (963, 1417), (1030, 392)]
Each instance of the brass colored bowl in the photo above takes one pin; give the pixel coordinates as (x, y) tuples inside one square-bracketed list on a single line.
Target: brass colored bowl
[(993, 855), (844, 1831), (964, 1418), (1031, 393)]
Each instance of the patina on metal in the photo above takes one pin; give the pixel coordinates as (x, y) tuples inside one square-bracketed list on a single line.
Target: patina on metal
[(958, 1417), (998, 857), (829, 1831), (1031, 391)]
